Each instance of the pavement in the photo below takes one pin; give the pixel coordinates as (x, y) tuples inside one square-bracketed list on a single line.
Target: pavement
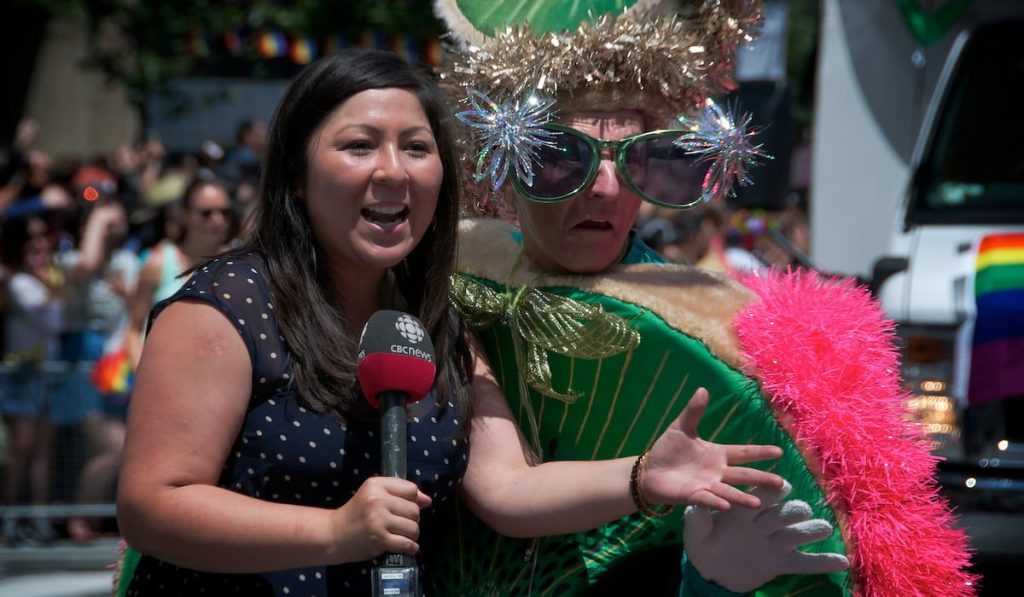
[(67, 569), (61, 569), (58, 584)]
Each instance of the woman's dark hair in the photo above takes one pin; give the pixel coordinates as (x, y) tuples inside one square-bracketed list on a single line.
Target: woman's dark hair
[(311, 316), (196, 184), (14, 236)]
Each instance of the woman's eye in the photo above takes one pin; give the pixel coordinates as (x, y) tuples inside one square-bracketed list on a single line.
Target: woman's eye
[(357, 146), (418, 148)]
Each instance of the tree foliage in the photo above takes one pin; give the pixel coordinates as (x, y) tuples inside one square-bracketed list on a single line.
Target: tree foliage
[(141, 44)]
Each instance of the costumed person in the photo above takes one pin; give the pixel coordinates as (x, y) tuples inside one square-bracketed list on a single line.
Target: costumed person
[(576, 117), (252, 461)]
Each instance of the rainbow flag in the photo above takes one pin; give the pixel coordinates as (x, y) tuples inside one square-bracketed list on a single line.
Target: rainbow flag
[(113, 373), (997, 355)]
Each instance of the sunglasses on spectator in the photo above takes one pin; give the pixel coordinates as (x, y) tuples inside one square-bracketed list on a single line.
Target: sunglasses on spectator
[(651, 164), (207, 212)]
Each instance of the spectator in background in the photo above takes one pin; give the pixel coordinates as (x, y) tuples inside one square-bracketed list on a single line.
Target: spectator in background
[(674, 234), (33, 323), (725, 251), (210, 159), (152, 156), (124, 163), (101, 275), (206, 221), (26, 184), (245, 158), (242, 166), (789, 243)]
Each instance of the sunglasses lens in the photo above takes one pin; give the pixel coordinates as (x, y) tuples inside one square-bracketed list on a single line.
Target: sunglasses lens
[(561, 169), (663, 171)]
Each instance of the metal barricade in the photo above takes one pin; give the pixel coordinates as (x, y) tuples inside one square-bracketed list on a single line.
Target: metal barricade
[(69, 450)]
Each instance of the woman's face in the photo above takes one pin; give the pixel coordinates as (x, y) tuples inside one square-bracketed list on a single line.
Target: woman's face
[(207, 219), (41, 238), (587, 232), (372, 179)]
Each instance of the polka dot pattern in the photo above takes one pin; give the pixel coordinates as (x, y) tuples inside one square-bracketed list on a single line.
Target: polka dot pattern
[(289, 453)]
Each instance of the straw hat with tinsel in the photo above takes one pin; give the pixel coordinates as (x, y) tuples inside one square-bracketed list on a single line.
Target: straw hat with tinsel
[(658, 58)]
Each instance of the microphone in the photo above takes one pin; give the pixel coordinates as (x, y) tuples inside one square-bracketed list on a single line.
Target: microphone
[(395, 366)]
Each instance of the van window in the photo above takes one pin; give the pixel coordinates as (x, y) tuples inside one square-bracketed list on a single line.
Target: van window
[(973, 172)]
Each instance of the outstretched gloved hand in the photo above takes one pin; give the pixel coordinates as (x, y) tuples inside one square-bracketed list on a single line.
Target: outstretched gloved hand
[(743, 548)]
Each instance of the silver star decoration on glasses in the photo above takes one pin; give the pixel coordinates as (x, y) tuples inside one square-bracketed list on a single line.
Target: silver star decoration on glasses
[(511, 134), (715, 136)]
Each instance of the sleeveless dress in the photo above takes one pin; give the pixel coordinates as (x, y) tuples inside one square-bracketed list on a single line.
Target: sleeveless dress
[(289, 453)]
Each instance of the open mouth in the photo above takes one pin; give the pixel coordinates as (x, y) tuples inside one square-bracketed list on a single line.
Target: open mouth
[(385, 215), (594, 225)]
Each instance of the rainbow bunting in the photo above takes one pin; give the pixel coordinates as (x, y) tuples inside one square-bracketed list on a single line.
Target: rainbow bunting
[(336, 42), (113, 373), (272, 44), (303, 50), (233, 42), (197, 46), (997, 355), (373, 39), (407, 47), (434, 54)]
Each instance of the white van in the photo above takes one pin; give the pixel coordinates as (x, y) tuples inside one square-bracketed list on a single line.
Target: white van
[(967, 182)]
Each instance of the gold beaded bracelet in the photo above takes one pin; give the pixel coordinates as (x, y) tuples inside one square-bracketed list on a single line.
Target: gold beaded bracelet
[(636, 479)]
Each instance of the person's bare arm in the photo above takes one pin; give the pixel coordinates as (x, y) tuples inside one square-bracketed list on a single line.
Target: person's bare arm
[(520, 500), (140, 302), (93, 247), (188, 405)]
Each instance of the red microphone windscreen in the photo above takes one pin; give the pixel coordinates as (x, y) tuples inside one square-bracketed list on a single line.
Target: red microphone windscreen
[(395, 355)]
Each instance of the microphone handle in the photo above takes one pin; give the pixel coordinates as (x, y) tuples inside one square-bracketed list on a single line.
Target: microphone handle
[(392, 434), (393, 464)]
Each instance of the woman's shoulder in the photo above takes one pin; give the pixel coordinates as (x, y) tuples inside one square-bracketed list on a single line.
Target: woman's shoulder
[(235, 285), (248, 268), (238, 280)]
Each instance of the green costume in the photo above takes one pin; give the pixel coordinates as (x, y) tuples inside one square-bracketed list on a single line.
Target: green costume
[(597, 366), (624, 402)]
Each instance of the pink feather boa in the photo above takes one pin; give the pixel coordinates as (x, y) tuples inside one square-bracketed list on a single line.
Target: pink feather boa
[(825, 357)]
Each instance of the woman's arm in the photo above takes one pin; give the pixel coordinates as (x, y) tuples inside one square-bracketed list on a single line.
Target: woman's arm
[(188, 405), (140, 302), (93, 248), (520, 500)]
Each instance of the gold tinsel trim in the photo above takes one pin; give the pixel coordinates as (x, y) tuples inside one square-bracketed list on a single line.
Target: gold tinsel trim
[(678, 60), (660, 65)]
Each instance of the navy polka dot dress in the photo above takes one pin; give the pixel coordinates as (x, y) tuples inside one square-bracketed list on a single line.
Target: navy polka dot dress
[(289, 453)]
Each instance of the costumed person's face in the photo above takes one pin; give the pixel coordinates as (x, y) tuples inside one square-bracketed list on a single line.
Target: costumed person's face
[(208, 216), (372, 179), (588, 232)]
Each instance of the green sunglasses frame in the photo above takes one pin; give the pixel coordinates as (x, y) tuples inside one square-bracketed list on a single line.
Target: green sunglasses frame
[(619, 148)]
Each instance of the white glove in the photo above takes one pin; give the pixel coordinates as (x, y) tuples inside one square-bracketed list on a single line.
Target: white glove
[(741, 549)]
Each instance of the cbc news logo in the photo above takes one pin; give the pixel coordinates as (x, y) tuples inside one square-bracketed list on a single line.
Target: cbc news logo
[(410, 329)]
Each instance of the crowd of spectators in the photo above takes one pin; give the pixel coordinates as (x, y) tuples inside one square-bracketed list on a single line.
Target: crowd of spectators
[(87, 247)]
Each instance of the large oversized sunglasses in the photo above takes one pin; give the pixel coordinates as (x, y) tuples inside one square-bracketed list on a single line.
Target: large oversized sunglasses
[(652, 164)]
